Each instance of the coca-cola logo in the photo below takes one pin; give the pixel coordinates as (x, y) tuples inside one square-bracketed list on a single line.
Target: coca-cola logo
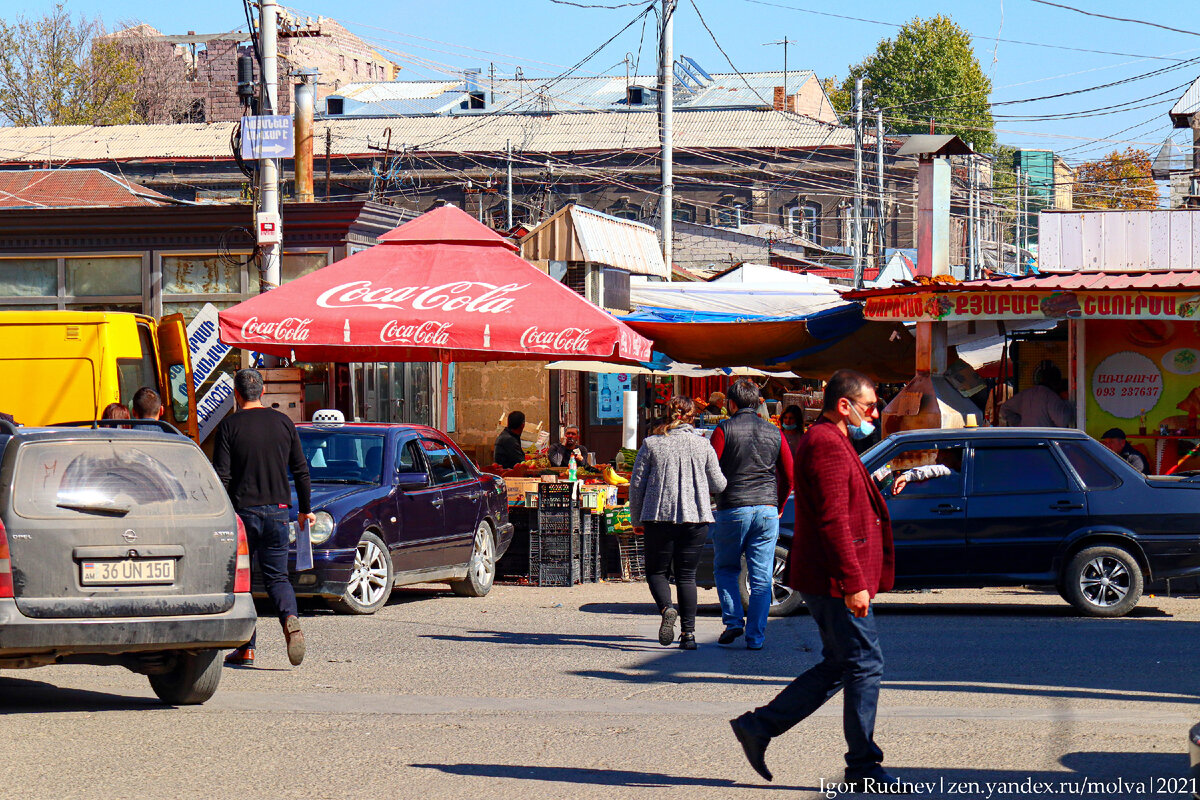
[(475, 296), (429, 333), (292, 329), (568, 340)]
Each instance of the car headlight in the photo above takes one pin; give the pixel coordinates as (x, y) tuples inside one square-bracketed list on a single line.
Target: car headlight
[(322, 529)]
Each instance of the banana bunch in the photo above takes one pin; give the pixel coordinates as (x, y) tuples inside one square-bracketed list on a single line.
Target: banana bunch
[(612, 478)]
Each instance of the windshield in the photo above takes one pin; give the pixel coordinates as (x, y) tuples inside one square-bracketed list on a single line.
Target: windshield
[(343, 456)]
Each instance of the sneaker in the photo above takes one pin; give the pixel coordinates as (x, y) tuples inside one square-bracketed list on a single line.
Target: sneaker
[(242, 657), (295, 640), (687, 641), (729, 635), (666, 631)]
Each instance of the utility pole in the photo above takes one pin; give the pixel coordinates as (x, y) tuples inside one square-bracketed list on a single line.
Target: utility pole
[(880, 233), (971, 218), (786, 44), (508, 153), (268, 186), (666, 102), (302, 110), (857, 244)]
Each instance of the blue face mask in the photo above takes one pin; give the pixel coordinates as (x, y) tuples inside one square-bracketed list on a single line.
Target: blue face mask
[(787, 426), (863, 428)]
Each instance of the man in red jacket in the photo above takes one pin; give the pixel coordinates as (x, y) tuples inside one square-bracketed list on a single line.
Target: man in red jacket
[(841, 557)]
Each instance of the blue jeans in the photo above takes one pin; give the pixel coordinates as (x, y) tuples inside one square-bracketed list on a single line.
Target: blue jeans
[(749, 531), (852, 661), (267, 534)]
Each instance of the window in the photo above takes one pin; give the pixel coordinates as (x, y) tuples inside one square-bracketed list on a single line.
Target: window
[(684, 213), (445, 465), (730, 216), (200, 274), (134, 373), (803, 220), (338, 456), (923, 482), (475, 101), (28, 277), (1093, 474), (1016, 470), (622, 209), (98, 277), (408, 459), (341, 62), (297, 265)]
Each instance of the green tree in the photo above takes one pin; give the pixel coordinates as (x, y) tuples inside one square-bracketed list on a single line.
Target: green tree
[(928, 71), (1119, 180), (56, 70)]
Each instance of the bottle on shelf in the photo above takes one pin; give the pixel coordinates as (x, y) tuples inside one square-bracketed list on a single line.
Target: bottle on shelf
[(572, 469)]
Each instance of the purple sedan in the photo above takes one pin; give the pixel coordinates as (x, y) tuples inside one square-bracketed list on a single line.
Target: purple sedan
[(397, 505)]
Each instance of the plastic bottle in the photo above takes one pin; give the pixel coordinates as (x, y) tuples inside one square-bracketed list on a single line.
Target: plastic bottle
[(571, 468)]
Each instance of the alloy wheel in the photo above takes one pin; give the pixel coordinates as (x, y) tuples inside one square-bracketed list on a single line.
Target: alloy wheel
[(369, 581), (483, 559), (1104, 581)]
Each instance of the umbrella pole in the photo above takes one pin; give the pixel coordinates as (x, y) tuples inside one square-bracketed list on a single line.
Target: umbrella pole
[(445, 426)]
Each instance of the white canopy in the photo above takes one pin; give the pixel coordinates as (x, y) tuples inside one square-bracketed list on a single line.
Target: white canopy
[(751, 289)]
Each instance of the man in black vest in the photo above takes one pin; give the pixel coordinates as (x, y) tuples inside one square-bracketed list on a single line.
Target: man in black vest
[(758, 467)]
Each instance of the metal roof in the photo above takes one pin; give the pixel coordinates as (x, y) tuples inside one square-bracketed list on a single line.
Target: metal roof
[(72, 188), (603, 93), (1186, 106), (621, 243), (553, 133), (1068, 281)]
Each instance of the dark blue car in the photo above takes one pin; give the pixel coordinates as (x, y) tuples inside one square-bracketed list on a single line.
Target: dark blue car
[(397, 505)]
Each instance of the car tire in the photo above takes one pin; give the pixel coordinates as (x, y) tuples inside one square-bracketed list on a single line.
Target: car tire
[(370, 584), (785, 600), (191, 681), (481, 567), (1103, 581)]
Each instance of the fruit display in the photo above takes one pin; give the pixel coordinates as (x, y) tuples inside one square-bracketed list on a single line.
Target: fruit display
[(612, 478)]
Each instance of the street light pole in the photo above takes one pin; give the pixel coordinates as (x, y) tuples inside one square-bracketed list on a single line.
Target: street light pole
[(666, 101), (268, 186)]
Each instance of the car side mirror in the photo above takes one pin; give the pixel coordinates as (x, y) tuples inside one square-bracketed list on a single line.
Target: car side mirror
[(412, 480)]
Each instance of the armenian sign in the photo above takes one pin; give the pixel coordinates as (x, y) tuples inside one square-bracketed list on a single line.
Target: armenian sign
[(991, 305)]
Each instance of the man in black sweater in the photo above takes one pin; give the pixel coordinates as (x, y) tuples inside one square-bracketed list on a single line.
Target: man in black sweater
[(254, 450)]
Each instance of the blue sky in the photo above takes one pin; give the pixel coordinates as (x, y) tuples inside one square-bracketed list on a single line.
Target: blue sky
[(542, 37)]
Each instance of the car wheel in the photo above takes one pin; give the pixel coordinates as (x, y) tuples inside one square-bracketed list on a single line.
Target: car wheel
[(1103, 581), (191, 681), (785, 600), (481, 568), (371, 582)]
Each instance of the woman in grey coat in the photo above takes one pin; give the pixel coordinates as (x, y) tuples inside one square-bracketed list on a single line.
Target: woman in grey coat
[(673, 477)]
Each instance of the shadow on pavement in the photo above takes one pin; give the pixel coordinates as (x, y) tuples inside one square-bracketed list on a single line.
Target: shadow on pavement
[(626, 643), (21, 696), (599, 777)]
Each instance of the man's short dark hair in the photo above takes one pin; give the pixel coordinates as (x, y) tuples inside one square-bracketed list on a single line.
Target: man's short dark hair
[(146, 403), (849, 383), (1114, 433), (743, 393), (515, 420), (249, 384)]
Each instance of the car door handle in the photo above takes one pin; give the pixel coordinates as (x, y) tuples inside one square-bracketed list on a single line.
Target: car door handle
[(946, 508), (437, 502), (1066, 505)]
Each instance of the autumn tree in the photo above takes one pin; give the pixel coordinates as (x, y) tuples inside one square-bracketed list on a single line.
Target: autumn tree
[(59, 70), (163, 91), (929, 71), (1119, 180)]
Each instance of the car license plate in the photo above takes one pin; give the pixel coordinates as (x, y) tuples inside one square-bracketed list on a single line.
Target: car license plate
[(128, 571)]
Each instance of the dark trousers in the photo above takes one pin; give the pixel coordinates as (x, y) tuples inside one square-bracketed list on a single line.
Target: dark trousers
[(852, 661), (674, 548), (267, 533)]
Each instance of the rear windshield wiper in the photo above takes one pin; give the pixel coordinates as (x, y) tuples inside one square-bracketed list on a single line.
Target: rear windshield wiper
[(103, 510)]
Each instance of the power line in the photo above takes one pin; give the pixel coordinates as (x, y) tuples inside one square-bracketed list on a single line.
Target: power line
[(1117, 19)]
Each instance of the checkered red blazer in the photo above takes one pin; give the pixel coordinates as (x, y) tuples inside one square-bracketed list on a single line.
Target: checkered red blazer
[(843, 539)]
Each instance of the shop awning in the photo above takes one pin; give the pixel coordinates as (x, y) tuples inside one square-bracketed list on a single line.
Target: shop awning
[(442, 287)]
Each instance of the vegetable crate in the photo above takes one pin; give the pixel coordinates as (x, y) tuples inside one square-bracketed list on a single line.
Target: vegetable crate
[(555, 558), (590, 569), (558, 495), (632, 549)]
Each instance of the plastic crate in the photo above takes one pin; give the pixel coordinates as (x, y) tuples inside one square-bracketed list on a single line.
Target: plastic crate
[(555, 559), (590, 568), (561, 495), (559, 520), (632, 550), (566, 574)]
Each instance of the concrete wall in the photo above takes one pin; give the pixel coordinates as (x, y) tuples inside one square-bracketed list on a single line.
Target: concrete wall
[(485, 392), (700, 248)]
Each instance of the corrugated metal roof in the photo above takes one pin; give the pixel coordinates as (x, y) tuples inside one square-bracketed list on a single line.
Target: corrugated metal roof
[(1186, 106), (72, 188), (554, 133), (603, 93), (619, 243), (1052, 282)]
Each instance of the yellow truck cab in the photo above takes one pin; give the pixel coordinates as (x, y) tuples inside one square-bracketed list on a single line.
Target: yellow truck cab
[(66, 366)]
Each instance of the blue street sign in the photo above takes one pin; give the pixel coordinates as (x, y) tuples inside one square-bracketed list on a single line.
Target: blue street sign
[(267, 137)]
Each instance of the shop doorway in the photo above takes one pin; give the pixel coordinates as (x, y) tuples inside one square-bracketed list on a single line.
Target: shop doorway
[(394, 392)]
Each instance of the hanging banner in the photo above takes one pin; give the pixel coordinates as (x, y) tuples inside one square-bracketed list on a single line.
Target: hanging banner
[(1004, 305), (206, 348)]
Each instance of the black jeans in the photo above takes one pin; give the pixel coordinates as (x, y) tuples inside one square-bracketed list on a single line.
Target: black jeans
[(675, 548), (267, 533), (852, 661)]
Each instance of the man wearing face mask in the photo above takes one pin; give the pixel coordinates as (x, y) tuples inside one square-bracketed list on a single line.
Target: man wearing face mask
[(841, 557)]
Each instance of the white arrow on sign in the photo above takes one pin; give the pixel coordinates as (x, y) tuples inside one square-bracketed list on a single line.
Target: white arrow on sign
[(271, 148)]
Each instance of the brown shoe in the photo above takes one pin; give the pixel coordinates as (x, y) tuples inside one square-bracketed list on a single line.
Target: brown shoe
[(242, 657), (295, 640)]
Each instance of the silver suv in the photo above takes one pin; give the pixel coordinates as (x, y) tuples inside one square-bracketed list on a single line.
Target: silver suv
[(119, 547)]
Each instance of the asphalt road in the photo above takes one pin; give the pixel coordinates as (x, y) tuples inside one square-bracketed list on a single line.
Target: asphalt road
[(565, 693)]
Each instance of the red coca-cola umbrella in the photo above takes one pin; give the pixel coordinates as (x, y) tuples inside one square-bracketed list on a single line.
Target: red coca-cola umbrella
[(442, 287)]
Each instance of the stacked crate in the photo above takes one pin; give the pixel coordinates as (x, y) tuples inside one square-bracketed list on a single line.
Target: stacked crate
[(556, 543)]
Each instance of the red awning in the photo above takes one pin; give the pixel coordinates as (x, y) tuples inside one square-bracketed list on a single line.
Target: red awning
[(442, 287)]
